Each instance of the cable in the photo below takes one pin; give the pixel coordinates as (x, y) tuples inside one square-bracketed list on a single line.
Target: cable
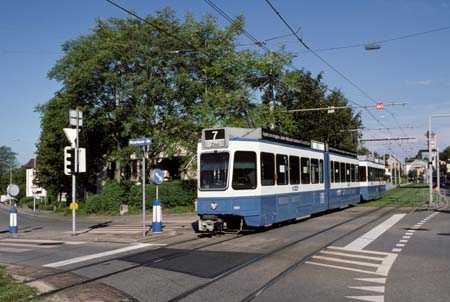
[(324, 61)]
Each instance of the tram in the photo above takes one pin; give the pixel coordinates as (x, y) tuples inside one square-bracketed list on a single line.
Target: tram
[(254, 177)]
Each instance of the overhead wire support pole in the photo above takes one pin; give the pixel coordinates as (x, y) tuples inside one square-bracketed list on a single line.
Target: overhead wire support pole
[(430, 155)]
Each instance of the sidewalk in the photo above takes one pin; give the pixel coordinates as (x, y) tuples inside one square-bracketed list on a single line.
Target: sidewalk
[(121, 229)]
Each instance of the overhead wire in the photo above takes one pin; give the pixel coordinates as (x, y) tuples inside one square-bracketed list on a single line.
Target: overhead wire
[(347, 79)]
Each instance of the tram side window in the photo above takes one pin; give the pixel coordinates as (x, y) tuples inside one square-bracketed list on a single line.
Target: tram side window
[(267, 169), (294, 169), (244, 170), (347, 172), (282, 169), (321, 171), (371, 174), (342, 172), (356, 173), (314, 171), (337, 177), (362, 173), (331, 171), (306, 179), (352, 173)]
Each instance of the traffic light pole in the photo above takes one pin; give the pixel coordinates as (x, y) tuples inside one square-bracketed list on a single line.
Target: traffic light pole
[(74, 177)]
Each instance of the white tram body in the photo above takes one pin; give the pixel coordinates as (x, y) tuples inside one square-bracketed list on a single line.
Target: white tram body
[(372, 178), (256, 177)]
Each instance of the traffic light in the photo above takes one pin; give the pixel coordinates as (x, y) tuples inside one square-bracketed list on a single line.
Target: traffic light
[(69, 161)]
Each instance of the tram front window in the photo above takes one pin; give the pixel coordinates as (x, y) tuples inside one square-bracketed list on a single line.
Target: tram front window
[(214, 171)]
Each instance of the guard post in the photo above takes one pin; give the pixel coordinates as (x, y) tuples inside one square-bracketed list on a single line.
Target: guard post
[(13, 220), (157, 177)]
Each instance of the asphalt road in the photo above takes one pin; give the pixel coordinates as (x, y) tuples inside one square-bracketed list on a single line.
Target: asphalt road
[(356, 254)]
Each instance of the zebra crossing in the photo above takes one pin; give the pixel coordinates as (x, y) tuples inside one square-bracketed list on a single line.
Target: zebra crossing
[(18, 245)]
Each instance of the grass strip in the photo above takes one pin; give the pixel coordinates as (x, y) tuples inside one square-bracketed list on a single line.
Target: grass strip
[(11, 290)]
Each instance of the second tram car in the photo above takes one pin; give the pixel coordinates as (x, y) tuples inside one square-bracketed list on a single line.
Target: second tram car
[(371, 178), (255, 177)]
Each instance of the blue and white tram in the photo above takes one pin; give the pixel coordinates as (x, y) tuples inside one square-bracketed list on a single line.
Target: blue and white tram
[(372, 178), (255, 177)]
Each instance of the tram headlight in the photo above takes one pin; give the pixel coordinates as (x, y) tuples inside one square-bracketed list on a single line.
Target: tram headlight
[(213, 205)]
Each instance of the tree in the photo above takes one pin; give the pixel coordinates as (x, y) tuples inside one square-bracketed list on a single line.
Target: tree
[(8, 161), (445, 155)]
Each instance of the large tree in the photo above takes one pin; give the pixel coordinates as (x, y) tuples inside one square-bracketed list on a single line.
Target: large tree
[(8, 161), (168, 79)]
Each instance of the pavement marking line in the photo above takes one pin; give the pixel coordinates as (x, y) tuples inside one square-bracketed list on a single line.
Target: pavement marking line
[(346, 261), (31, 240), (369, 237), (409, 233), (400, 245), (386, 260), (29, 245), (99, 255), (406, 237), (403, 241), (12, 250), (367, 298), (373, 280), (351, 255), (396, 250), (377, 289)]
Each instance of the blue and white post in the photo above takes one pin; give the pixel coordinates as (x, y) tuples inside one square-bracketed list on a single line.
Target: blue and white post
[(157, 215), (13, 220), (157, 177)]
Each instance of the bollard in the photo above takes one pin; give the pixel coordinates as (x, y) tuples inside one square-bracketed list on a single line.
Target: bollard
[(13, 220), (157, 216)]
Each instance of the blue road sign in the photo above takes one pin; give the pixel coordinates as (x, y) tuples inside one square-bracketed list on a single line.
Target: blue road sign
[(157, 176), (143, 141)]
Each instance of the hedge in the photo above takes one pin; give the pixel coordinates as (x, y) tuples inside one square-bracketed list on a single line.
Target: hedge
[(172, 194)]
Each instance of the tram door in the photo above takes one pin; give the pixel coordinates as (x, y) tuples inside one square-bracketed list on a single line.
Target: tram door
[(327, 175)]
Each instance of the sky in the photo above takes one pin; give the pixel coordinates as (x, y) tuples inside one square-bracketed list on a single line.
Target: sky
[(414, 70)]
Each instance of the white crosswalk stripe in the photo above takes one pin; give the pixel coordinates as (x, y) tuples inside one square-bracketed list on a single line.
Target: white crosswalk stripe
[(18, 245), (131, 228), (356, 260)]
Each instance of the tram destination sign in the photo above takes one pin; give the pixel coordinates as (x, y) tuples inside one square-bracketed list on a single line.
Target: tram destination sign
[(143, 141), (215, 138)]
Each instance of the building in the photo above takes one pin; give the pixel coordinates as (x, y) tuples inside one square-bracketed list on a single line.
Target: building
[(30, 187), (393, 166)]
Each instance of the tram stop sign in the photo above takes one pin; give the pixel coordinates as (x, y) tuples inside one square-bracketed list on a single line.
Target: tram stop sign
[(156, 176)]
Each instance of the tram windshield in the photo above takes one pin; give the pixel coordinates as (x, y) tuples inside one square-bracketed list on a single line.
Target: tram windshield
[(214, 171)]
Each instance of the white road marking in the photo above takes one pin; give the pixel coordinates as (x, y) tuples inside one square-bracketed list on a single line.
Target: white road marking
[(99, 255), (400, 245), (29, 245), (377, 289), (396, 250), (13, 250), (406, 237), (350, 255), (409, 233), (368, 298), (373, 280), (403, 241), (373, 234), (40, 241), (385, 261)]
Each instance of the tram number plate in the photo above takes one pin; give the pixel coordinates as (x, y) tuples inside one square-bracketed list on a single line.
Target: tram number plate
[(214, 138)]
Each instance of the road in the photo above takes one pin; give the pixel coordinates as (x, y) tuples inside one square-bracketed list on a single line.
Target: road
[(355, 254)]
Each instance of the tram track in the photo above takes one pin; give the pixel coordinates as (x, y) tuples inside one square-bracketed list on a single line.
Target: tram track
[(272, 281), (159, 260), (186, 252)]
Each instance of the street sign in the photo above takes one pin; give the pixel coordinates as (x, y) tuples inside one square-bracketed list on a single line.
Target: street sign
[(143, 141), (73, 117), (157, 176), (71, 134), (13, 190), (380, 106)]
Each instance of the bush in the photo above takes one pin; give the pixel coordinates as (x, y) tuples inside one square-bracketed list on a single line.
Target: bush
[(109, 201), (26, 202), (171, 193)]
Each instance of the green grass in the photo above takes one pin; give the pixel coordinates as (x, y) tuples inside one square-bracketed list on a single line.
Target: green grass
[(11, 290), (407, 196)]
